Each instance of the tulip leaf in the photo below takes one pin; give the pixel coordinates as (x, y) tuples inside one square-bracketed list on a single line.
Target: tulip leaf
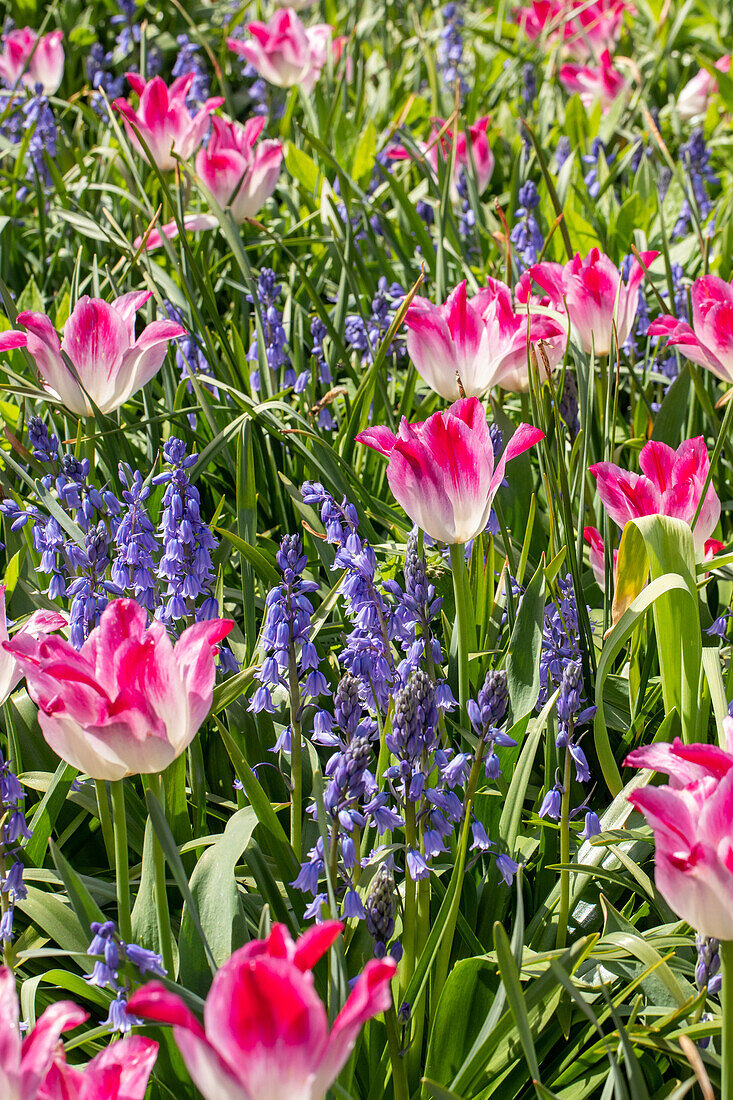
[(525, 647), (46, 812), (81, 900)]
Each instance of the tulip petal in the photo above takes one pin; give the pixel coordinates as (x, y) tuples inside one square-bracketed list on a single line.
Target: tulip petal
[(379, 439)]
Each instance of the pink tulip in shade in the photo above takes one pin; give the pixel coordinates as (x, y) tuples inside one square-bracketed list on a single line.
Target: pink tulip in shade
[(694, 98), (285, 52), (594, 82), (265, 1030), (595, 295), (471, 149), (692, 819), (709, 340), (240, 172), (120, 1072), (40, 622), (130, 701), (480, 339), (99, 341), (670, 484), (32, 60), (585, 29), (443, 471), (163, 120)]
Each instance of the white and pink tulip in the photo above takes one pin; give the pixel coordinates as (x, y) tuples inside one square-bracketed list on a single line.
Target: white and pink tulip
[(285, 52), (595, 295), (709, 340), (110, 362), (584, 28), (40, 622), (163, 120), (443, 472), (594, 82), (129, 701), (25, 58), (695, 97), (265, 1031), (472, 152)]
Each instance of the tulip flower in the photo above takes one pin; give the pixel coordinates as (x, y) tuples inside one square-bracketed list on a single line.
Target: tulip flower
[(285, 52), (265, 1030), (129, 701), (110, 364), (595, 296), (240, 172), (31, 60), (472, 148), (597, 553), (120, 1072), (585, 29), (443, 472), (163, 120), (694, 98), (670, 484), (594, 82), (709, 340), (692, 819), (40, 622), (480, 340)]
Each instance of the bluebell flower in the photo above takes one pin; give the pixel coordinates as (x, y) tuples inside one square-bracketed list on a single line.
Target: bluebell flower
[(526, 236), (551, 803), (190, 60), (275, 338), (13, 829), (450, 49)]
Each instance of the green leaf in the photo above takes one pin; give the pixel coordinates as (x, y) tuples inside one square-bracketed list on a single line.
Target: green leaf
[(302, 167), (47, 812), (512, 985), (525, 647), (82, 901), (465, 1002)]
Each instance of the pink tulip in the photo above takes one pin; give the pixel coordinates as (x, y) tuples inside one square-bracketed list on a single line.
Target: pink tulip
[(694, 98), (481, 340), (594, 82), (285, 52), (471, 149), (239, 172), (709, 341), (265, 1028), (120, 1072), (670, 484), (585, 29), (595, 295), (597, 553), (692, 819), (129, 702), (99, 341), (443, 472), (163, 120), (40, 622), (32, 60)]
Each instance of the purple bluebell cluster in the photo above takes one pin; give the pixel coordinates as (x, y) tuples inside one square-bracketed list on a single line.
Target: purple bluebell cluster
[(275, 338), (707, 970), (112, 972), (13, 830), (30, 111), (450, 50), (529, 84), (593, 161), (526, 236), (106, 68), (695, 157), (291, 659), (366, 336), (572, 713), (190, 60), (561, 639)]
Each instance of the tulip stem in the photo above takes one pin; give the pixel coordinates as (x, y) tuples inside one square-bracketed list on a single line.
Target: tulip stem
[(399, 1070), (165, 939), (458, 566), (122, 869), (105, 819), (726, 1003)]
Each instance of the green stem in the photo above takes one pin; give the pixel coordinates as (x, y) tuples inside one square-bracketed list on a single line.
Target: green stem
[(122, 869), (562, 916), (399, 1070), (296, 761), (463, 619), (105, 819), (162, 912), (726, 1003)]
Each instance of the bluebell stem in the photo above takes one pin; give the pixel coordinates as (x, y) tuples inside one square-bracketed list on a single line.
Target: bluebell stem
[(268, 292), (450, 49), (13, 829), (526, 236), (190, 60)]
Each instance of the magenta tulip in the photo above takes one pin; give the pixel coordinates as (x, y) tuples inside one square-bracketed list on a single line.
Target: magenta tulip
[(472, 149), (594, 82), (129, 701), (443, 471), (285, 52), (99, 341), (670, 484), (695, 97), (584, 28), (709, 340), (120, 1072), (31, 60), (480, 340), (40, 622), (692, 819), (595, 295), (163, 120), (240, 172), (265, 1030)]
